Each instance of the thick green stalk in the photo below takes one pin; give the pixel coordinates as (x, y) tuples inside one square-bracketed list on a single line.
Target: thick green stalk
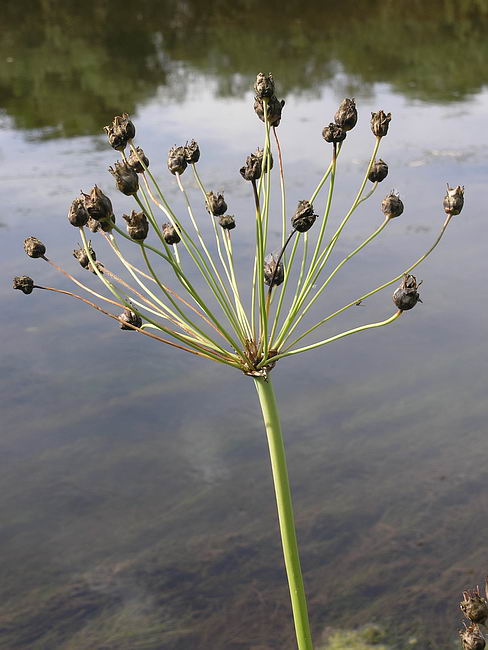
[(271, 419)]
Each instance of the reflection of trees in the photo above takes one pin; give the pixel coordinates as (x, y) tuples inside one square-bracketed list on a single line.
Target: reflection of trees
[(75, 63)]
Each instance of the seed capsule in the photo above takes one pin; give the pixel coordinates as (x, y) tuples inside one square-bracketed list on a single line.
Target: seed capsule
[(192, 152), (273, 274), (406, 296), (129, 318), (77, 214), (380, 122), (125, 177), (304, 218), (378, 171), (120, 132), (454, 200), (264, 85), (474, 606), (134, 160), (346, 116), (392, 205), (177, 160), (34, 247), (333, 133), (275, 108), (24, 283), (170, 235), (216, 204), (98, 205), (81, 255), (137, 225), (471, 638), (227, 222), (253, 168)]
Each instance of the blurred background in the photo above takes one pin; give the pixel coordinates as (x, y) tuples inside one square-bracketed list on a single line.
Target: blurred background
[(136, 503)]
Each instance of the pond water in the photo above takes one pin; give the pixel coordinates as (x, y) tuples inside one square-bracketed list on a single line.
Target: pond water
[(136, 505)]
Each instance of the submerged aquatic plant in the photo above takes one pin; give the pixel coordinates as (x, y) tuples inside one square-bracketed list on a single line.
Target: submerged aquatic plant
[(283, 286)]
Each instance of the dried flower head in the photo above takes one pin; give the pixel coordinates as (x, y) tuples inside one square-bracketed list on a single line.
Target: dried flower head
[(274, 109), (380, 122), (34, 247), (227, 222), (192, 152), (304, 217), (474, 606), (135, 159), (274, 273), (378, 171), (471, 638), (137, 225), (120, 132), (98, 205), (177, 160), (406, 296), (170, 235), (346, 116), (129, 318), (333, 133), (454, 200), (125, 177), (264, 85), (81, 255), (24, 283), (77, 214), (392, 205), (216, 204)]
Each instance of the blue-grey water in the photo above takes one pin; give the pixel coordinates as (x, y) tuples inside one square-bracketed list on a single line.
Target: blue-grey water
[(136, 504)]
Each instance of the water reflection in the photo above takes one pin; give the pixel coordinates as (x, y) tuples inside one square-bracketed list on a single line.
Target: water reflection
[(69, 67)]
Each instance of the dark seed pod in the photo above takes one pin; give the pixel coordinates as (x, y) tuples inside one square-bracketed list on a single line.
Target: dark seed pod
[(304, 218), (253, 168), (135, 158), (177, 160), (406, 296), (227, 222), (192, 152), (98, 205), (274, 273), (126, 178), (120, 132), (346, 116), (454, 200), (380, 122), (471, 638), (392, 205), (24, 283), (93, 225), (137, 225), (34, 247), (77, 214), (82, 257), (275, 108), (378, 171), (129, 318), (216, 204), (170, 235), (474, 606), (333, 133), (264, 85)]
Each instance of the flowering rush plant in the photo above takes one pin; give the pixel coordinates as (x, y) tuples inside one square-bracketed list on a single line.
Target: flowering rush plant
[(188, 293)]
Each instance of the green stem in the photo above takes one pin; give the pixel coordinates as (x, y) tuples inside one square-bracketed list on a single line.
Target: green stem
[(271, 419)]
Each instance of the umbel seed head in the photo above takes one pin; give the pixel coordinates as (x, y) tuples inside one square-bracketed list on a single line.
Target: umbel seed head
[(34, 247), (380, 122), (392, 205), (333, 133), (378, 171), (454, 200), (192, 152), (227, 222), (216, 204), (137, 225), (81, 255), (274, 273), (120, 132), (275, 108), (346, 116), (125, 177), (24, 283), (77, 214), (304, 218), (264, 85), (98, 205), (135, 159), (169, 234), (177, 160), (406, 296), (129, 318), (474, 606), (471, 638)]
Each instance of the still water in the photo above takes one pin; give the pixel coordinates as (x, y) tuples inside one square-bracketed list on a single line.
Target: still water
[(136, 503)]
